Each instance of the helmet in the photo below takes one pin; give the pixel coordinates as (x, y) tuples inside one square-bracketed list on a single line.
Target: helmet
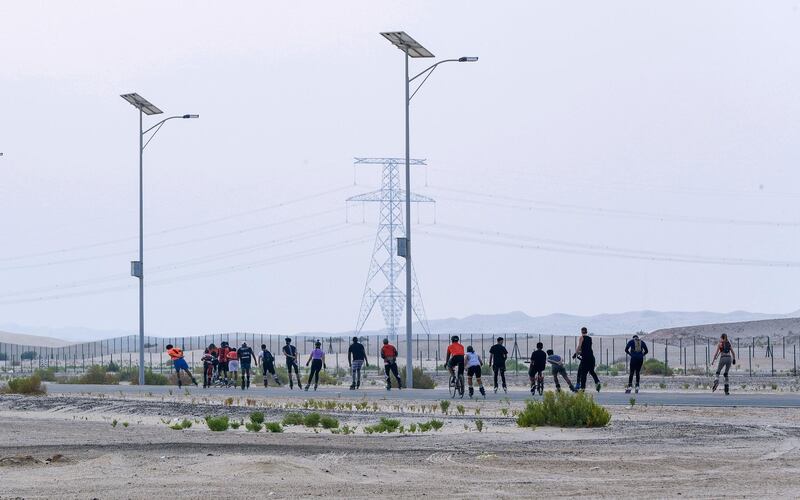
[(317, 344), (499, 339), (385, 341), (244, 344), (223, 344), (355, 339), (288, 340), (454, 338), (470, 349)]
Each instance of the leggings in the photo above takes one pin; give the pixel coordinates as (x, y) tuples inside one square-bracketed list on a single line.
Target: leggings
[(316, 366), (245, 374), (724, 362), (499, 370), (586, 368), (636, 368)]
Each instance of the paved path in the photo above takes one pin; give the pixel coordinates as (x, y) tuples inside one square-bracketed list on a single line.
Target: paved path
[(747, 399)]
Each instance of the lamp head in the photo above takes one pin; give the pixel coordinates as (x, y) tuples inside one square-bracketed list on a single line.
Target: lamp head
[(190, 116), (467, 59)]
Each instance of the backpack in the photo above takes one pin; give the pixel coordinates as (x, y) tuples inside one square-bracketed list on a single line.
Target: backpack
[(637, 345)]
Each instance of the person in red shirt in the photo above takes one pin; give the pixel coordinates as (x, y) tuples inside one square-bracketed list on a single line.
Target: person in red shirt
[(455, 356), (222, 362), (389, 356)]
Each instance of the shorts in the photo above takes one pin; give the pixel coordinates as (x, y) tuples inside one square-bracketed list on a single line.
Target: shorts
[(457, 361), (474, 371), (357, 364), (534, 369), (268, 368), (558, 369), (222, 366), (244, 366), (180, 364), (233, 365), (291, 364)]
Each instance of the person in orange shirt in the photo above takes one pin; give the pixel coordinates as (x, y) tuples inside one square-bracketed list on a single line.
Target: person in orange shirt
[(455, 357), (389, 356), (179, 363)]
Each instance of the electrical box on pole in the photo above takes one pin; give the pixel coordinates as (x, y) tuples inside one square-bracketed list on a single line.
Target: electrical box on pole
[(136, 269), (402, 247)]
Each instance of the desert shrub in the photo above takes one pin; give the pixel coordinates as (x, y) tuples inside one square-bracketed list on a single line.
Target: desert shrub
[(183, 424), (564, 410), (257, 417), (312, 419), (25, 385), (274, 426), (97, 374), (385, 425), (326, 378), (46, 374), (253, 426), (235, 425), (293, 419), (421, 379), (112, 367), (218, 424), (479, 425), (460, 409), (655, 367), (436, 424), (444, 405), (150, 378), (328, 422), (27, 355)]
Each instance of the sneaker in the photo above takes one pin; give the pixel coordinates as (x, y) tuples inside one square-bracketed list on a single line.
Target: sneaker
[(714, 387), (628, 390), (352, 387), (315, 387), (307, 388), (598, 386), (576, 387), (483, 391), (358, 385)]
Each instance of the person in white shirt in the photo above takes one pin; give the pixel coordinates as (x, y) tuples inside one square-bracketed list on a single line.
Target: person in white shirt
[(473, 363)]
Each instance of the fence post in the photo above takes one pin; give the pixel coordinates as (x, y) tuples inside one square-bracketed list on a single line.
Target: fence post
[(750, 359), (771, 359), (794, 348)]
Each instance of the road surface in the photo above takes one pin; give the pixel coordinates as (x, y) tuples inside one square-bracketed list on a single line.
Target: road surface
[(658, 398)]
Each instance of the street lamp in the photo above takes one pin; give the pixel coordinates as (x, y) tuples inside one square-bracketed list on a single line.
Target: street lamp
[(412, 48), (137, 268)]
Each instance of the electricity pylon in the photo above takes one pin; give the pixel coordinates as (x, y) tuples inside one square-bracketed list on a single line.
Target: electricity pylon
[(386, 267)]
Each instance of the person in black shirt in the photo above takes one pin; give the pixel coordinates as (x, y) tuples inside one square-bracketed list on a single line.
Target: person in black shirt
[(586, 367), (290, 352), (268, 365), (356, 358), (536, 371), (245, 355), (497, 358)]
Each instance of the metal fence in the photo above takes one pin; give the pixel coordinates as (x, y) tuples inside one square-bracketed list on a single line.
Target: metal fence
[(757, 356)]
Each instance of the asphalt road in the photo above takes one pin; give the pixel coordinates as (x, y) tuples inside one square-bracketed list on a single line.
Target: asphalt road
[(709, 399)]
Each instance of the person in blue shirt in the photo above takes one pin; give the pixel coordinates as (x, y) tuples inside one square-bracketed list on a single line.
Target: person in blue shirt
[(637, 350), (558, 369)]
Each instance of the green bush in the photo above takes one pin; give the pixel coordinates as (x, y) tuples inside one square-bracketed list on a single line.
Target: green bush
[(328, 422), (183, 424), (253, 426), (293, 419), (312, 419), (436, 424), (564, 410), (655, 367), (96, 374), (46, 374), (25, 385), (326, 378), (421, 379), (257, 417), (385, 425), (112, 367), (150, 377), (274, 426), (218, 424)]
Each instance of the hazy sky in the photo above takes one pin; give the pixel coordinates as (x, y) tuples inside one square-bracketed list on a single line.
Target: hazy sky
[(658, 132)]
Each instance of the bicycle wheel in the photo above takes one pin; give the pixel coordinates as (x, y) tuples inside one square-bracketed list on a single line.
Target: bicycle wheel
[(461, 385), (452, 387)]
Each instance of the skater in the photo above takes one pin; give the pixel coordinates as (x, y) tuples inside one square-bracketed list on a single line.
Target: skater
[(267, 365), (474, 362), (536, 371), (317, 361), (356, 358), (222, 362), (726, 357), (245, 355), (179, 363), (637, 350), (497, 359), (586, 355), (208, 368), (290, 352), (558, 369), (389, 356), (233, 367)]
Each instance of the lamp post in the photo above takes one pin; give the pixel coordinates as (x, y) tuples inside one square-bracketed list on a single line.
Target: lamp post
[(137, 267), (412, 48)]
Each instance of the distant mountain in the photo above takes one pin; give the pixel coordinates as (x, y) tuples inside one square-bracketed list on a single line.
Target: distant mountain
[(31, 340), (68, 334), (775, 328)]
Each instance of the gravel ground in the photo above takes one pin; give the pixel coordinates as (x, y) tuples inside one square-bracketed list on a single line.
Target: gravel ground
[(65, 447)]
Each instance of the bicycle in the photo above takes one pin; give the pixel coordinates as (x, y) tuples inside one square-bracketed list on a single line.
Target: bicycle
[(456, 385)]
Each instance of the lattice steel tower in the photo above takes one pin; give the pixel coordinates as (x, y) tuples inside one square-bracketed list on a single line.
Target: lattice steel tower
[(386, 267)]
